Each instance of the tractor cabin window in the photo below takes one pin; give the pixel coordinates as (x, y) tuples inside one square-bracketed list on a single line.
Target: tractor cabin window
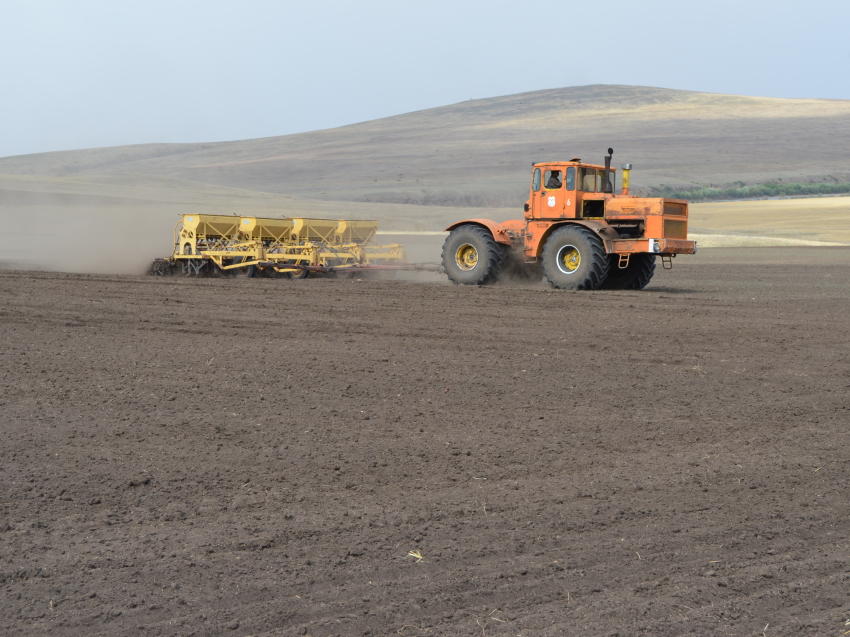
[(601, 185), (571, 178), (536, 185), (587, 179), (552, 179)]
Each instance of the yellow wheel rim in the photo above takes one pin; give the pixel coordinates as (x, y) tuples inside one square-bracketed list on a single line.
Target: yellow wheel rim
[(569, 259), (466, 257)]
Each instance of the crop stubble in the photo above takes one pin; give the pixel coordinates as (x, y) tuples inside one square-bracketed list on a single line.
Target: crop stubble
[(252, 457)]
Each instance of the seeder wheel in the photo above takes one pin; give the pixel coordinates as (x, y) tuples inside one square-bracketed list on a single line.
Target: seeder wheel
[(161, 267), (246, 272)]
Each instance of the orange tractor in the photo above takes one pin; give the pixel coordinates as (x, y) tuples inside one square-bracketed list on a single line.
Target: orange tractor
[(576, 232)]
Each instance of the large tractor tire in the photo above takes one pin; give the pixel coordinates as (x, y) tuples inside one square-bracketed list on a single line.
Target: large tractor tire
[(635, 276), (574, 258), (472, 257)]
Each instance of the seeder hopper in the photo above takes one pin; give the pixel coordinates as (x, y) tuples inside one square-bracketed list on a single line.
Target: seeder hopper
[(294, 247)]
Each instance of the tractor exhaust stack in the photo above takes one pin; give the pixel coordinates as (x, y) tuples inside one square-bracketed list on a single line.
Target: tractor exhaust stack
[(608, 186)]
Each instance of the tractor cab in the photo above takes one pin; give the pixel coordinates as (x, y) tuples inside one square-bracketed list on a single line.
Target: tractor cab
[(569, 190)]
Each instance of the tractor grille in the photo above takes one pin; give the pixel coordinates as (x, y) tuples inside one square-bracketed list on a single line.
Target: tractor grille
[(675, 229), (675, 209)]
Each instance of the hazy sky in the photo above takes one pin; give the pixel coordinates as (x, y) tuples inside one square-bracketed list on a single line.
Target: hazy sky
[(80, 73)]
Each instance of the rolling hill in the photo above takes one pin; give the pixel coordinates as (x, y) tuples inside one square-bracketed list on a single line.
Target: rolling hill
[(477, 153), (417, 171)]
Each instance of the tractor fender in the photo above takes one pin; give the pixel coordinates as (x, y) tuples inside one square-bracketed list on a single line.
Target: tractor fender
[(599, 228), (500, 234)]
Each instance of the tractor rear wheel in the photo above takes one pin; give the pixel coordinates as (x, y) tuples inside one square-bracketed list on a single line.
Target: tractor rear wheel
[(574, 258), (635, 276), (472, 257)]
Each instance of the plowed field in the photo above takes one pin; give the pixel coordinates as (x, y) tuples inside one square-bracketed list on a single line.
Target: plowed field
[(343, 457)]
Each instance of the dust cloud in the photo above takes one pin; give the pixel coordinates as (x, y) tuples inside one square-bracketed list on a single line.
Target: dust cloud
[(419, 247), (83, 234), (88, 234), (425, 247)]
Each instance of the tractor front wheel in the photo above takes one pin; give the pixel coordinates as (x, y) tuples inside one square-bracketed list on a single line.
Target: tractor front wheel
[(574, 258), (472, 257)]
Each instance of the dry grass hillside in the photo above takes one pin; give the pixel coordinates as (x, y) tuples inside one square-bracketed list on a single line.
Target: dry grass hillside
[(820, 219), (477, 153)]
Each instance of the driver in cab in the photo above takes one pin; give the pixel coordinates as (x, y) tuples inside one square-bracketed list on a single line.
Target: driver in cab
[(554, 181)]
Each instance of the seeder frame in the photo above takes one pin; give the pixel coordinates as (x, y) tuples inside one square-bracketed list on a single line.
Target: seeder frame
[(290, 246)]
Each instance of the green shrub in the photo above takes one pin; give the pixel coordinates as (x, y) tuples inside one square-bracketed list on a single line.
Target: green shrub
[(770, 189)]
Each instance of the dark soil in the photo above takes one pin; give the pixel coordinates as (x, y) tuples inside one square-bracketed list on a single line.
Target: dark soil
[(264, 457)]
